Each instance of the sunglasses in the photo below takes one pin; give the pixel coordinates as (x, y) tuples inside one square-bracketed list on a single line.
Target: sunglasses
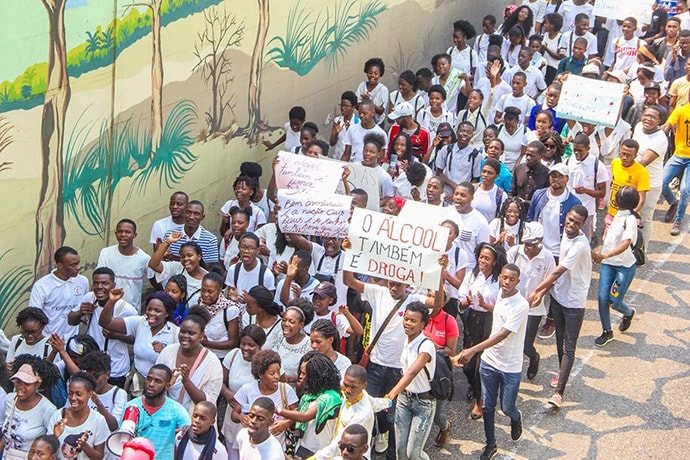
[(349, 447)]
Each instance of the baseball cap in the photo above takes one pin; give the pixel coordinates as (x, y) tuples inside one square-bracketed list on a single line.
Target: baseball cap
[(617, 74), (560, 168), (326, 289), (27, 375), (533, 232), (403, 109), (652, 85)]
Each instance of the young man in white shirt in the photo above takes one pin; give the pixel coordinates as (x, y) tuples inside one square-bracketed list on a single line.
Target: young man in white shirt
[(581, 29), (130, 263), (653, 145), (177, 205), (201, 435), (534, 263), (535, 79), (624, 49), (568, 285), (354, 139), (115, 344), (60, 291), (517, 99), (256, 441), (588, 179), (459, 162), (192, 230), (501, 360), (481, 43)]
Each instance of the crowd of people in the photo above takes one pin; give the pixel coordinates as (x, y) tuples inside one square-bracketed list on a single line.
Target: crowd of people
[(253, 343)]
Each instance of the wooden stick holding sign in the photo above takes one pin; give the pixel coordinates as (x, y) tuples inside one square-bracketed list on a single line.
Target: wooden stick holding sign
[(317, 214), (395, 248)]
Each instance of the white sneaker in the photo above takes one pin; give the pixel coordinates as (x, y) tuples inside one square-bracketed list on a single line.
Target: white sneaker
[(381, 443)]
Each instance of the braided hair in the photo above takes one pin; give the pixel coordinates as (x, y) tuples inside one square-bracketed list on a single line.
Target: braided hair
[(321, 373), (328, 330), (521, 216)]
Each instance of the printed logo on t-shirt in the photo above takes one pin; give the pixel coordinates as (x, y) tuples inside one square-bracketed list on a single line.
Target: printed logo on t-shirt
[(78, 291), (70, 446), (465, 235)]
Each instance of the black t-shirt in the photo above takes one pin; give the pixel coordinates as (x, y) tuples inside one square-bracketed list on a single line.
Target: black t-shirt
[(659, 18)]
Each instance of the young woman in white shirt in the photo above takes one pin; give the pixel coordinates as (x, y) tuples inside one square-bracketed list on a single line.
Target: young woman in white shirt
[(488, 197), (372, 89), (618, 265), (508, 226), (479, 288)]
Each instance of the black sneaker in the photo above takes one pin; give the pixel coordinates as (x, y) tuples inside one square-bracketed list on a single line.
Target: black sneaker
[(533, 367), (489, 452), (604, 338), (625, 324), (516, 428)]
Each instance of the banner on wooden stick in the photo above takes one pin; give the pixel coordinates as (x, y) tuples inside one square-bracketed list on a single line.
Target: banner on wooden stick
[(395, 248)]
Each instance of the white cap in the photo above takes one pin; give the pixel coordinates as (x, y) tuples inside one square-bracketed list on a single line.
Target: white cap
[(404, 109)]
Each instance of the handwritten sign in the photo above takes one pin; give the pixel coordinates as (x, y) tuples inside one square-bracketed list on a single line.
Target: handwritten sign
[(395, 248), (314, 214), (621, 9), (364, 178), (298, 172), (592, 101)]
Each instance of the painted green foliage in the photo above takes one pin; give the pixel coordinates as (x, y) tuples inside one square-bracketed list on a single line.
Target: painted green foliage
[(15, 285), (101, 47), (309, 38)]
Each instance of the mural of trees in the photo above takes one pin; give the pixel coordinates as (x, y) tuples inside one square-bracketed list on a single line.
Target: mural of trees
[(211, 48), (50, 229), (156, 72)]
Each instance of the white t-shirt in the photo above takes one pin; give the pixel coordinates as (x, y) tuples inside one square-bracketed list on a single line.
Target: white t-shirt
[(239, 370), (484, 201), (457, 260), (390, 345), (509, 313), (481, 45), (118, 351), (250, 392), (229, 252), (161, 227), (420, 344), (339, 148), (656, 142), (18, 346), (313, 441), (552, 44), (341, 323), (378, 96), (171, 268), (509, 56), (26, 425), (623, 227), (532, 272), (568, 41), (291, 138), (625, 51), (495, 231), (217, 328), (479, 284), (572, 286), (459, 165), (386, 189), (464, 60), (131, 272), (513, 144), (257, 219), (57, 298), (569, 10), (538, 8), (491, 96), (535, 80), (355, 139), (113, 400), (524, 103), (193, 451), (144, 354), (582, 174), (550, 218), (307, 290), (248, 279), (474, 229), (270, 449), (95, 423), (290, 354)]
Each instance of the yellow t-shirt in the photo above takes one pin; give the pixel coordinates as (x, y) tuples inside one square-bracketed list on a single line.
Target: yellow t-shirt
[(680, 118), (636, 176)]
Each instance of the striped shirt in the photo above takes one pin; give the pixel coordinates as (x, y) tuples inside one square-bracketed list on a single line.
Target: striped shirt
[(206, 239)]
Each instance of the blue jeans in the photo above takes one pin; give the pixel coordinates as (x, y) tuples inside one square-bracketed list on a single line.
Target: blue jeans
[(673, 168), (608, 275), (413, 420), (381, 380), (508, 383)]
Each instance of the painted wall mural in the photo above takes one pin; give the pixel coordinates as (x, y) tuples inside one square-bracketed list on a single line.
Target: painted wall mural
[(106, 106)]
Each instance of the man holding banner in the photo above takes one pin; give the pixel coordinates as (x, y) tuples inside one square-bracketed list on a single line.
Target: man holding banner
[(375, 241)]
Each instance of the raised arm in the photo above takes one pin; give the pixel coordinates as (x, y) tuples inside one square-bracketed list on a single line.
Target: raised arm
[(106, 319), (156, 261)]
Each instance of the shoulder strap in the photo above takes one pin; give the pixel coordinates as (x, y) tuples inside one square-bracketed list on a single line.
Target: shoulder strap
[(18, 344), (236, 273), (419, 347), (449, 161), (318, 269), (457, 255), (115, 394), (232, 360), (283, 395), (499, 199), (388, 319)]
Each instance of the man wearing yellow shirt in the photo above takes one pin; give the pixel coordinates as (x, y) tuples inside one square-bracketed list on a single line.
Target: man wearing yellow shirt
[(626, 171), (678, 164)]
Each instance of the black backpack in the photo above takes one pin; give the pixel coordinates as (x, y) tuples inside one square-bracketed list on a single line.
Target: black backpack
[(638, 247), (442, 386)]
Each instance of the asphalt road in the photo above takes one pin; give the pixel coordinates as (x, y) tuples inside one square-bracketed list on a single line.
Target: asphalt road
[(626, 400)]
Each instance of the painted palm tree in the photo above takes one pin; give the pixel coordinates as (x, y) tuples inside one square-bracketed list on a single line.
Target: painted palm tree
[(50, 228), (5, 141)]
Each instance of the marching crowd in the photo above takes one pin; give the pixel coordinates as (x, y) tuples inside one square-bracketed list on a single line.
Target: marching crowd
[(254, 343)]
